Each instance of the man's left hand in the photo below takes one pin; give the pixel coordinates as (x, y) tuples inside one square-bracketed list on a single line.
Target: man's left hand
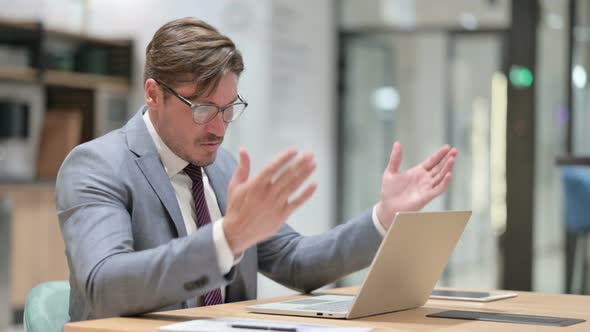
[(413, 189)]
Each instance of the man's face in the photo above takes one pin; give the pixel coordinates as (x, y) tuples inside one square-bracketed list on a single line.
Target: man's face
[(196, 143)]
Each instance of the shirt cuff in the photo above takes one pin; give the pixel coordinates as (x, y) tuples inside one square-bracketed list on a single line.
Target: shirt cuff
[(225, 257), (377, 224)]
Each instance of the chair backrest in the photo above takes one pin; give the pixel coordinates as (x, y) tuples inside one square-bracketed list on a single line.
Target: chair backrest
[(576, 186), (47, 307)]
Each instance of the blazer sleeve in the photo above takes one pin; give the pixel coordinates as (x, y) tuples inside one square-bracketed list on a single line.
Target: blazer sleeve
[(94, 209), (307, 263)]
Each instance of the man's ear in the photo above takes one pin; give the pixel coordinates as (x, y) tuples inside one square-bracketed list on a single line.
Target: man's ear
[(153, 94)]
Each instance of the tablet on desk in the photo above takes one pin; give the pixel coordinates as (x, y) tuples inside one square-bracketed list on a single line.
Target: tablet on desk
[(476, 296)]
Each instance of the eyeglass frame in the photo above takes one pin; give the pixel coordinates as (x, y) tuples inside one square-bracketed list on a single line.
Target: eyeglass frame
[(192, 106)]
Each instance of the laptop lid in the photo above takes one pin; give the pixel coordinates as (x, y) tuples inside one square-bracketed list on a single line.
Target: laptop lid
[(409, 261), (406, 267)]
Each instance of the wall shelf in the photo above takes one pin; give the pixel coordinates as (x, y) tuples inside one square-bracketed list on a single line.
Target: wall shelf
[(76, 87), (85, 81), (20, 25), (73, 70), (84, 38), (55, 50), (19, 74)]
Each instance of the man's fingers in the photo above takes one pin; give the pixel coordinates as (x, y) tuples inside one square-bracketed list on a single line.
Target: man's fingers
[(444, 184), (438, 167), (243, 169), (434, 159), (276, 164), (448, 167), (292, 179), (395, 159), (296, 202)]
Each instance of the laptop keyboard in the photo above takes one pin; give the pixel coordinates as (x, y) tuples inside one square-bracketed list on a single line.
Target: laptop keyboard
[(336, 306)]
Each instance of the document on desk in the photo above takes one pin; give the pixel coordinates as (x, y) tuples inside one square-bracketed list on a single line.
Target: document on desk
[(233, 324)]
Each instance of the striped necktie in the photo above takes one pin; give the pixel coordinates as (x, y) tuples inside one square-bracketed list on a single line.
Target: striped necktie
[(203, 218)]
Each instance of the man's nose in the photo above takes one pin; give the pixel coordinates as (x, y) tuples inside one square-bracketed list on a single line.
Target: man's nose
[(217, 126)]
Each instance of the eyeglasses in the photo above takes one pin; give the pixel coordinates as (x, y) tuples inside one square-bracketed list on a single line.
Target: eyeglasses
[(204, 113)]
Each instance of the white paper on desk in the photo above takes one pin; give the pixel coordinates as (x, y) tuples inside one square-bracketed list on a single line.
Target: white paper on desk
[(222, 324)]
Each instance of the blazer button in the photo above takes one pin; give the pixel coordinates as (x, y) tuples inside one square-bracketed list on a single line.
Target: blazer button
[(196, 284)]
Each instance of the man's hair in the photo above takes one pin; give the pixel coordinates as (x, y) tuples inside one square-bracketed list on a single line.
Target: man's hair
[(190, 50)]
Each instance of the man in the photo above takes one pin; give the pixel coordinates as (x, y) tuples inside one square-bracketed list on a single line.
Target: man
[(157, 216)]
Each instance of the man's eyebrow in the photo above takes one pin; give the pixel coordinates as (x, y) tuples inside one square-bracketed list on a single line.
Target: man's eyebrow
[(193, 96), (199, 99), (208, 101)]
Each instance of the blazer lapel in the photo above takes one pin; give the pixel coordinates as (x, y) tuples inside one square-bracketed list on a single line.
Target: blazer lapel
[(148, 160), (153, 170)]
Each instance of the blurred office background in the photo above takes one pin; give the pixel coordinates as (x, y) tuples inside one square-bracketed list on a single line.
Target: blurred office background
[(503, 81)]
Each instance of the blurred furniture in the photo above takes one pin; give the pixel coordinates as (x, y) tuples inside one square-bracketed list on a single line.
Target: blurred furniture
[(76, 72), (37, 249), (30, 52), (576, 185), (47, 307), (574, 173), (60, 135), (5, 250), (75, 86), (14, 119)]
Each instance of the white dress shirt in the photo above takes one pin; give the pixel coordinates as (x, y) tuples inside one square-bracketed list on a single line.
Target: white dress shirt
[(182, 185)]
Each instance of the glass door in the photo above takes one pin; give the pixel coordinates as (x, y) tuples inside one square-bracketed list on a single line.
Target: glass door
[(426, 89), (477, 127)]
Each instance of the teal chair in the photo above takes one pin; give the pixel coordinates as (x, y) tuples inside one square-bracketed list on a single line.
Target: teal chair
[(46, 308), (576, 186)]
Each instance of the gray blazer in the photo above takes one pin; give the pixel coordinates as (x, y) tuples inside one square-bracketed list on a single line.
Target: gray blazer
[(127, 247)]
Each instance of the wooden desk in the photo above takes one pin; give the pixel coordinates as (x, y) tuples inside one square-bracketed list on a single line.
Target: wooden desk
[(573, 306)]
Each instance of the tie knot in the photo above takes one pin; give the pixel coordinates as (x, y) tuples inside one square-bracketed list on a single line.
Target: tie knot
[(194, 172)]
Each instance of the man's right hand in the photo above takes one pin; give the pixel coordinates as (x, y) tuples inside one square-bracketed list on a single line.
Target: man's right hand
[(257, 208)]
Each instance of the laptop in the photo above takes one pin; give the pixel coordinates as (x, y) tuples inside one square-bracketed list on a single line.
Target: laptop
[(409, 262)]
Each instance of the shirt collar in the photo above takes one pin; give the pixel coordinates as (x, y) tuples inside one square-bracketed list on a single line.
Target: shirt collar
[(173, 164)]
